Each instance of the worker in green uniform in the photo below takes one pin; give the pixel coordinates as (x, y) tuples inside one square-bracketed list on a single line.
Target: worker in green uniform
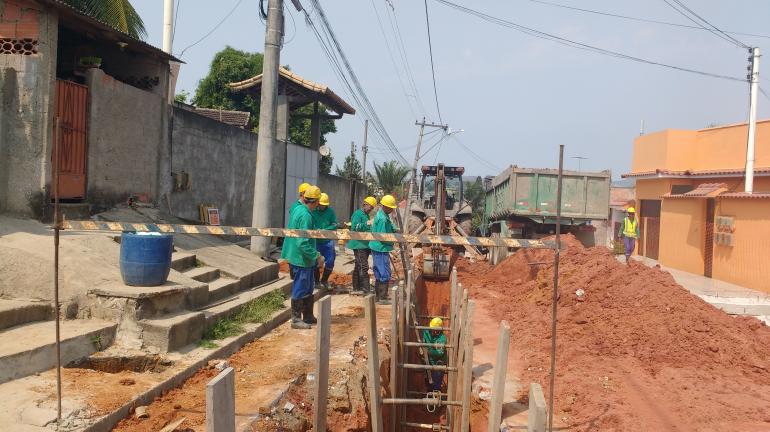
[(436, 354), (359, 222), (301, 189), (381, 250), (324, 218), (302, 256)]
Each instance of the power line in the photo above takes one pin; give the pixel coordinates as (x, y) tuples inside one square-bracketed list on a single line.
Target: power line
[(474, 155), (173, 28), (238, 3), (432, 68), (404, 57), (764, 93), (645, 20), (689, 14), (574, 44)]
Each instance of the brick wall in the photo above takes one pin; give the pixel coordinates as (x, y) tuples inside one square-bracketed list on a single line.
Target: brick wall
[(19, 28)]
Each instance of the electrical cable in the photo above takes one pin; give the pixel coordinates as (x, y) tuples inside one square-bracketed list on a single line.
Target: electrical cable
[(293, 27), (173, 26), (689, 13), (578, 45), (393, 19), (432, 68), (764, 93), (645, 20), (238, 3), (476, 156)]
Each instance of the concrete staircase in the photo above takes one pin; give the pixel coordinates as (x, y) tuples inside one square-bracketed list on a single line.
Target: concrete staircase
[(27, 338)]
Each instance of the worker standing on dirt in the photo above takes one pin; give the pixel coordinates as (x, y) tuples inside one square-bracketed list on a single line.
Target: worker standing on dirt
[(436, 354), (381, 250), (302, 256), (324, 218), (629, 231), (359, 222)]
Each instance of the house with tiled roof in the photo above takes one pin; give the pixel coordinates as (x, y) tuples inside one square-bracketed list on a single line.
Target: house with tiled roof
[(694, 212)]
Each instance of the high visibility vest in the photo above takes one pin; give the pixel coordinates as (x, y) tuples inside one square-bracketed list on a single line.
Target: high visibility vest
[(629, 228)]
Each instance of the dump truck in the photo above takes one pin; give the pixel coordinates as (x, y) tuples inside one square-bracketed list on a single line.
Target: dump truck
[(521, 202)]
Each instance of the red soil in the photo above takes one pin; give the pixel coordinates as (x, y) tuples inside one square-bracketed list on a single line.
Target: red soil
[(640, 353)]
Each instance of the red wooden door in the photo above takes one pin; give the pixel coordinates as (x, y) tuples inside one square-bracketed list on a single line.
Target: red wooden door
[(72, 111)]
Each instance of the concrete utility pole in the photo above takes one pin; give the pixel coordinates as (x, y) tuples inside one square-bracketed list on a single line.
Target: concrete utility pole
[(168, 24), (413, 181), (260, 216), (754, 80), (364, 149), (352, 174)]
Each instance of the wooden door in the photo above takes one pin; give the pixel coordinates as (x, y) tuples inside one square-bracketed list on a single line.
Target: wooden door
[(708, 241), (649, 213), (72, 111)]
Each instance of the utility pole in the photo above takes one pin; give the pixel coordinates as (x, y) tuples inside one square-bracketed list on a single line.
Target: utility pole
[(168, 24), (352, 175), (260, 216), (413, 181), (754, 80), (364, 149)]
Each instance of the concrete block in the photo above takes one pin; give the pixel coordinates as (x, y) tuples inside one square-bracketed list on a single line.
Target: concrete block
[(13, 313), (220, 402), (173, 332), (203, 274), (537, 414)]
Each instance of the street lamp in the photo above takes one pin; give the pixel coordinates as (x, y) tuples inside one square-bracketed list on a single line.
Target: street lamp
[(579, 159)]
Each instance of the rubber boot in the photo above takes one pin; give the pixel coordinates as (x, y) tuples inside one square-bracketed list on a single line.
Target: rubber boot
[(382, 293), (307, 310), (366, 285), (356, 282), (296, 315), (325, 278)]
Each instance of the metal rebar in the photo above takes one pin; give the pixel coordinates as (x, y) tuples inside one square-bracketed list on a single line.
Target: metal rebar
[(422, 327), (434, 426), (445, 318), (555, 296), (428, 367), (56, 229), (422, 401), (427, 345), (417, 393)]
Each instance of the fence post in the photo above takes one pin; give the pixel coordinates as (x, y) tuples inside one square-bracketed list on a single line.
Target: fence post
[(220, 402), (322, 363), (498, 384), (375, 400)]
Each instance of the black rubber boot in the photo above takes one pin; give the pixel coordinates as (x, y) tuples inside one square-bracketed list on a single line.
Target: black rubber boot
[(382, 293), (307, 310), (325, 278), (296, 315)]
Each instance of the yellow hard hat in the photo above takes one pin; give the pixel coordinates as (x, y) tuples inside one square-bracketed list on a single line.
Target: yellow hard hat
[(631, 210), (313, 192), (324, 200), (388, 201), (303, 187), (436, 323), (372, 201)]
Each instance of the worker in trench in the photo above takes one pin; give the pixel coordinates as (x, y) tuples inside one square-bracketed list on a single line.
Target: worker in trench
[(629, 231), (303, 257), (300, 201), (381, 250), (359, 222), (436, 354), (324, 218)]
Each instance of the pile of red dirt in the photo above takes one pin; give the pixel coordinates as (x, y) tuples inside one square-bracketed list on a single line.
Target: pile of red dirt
[(636, 352)]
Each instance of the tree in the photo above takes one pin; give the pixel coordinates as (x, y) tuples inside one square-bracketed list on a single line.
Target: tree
[(325, 164), (473, 192), (182, 96), (118, 14), (351, 169), (232, 65), (389, 177)]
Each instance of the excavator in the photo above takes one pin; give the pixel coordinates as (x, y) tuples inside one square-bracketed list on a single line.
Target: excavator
[(441, 210)]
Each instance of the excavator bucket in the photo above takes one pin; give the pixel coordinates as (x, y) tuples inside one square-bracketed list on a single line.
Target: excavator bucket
[(436, 265)]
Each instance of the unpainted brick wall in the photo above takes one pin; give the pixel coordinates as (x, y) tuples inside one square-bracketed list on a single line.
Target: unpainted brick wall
[(19, 20)]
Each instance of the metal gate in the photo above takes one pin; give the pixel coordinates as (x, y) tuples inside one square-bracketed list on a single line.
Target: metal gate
[(650, 215), (72, 111)]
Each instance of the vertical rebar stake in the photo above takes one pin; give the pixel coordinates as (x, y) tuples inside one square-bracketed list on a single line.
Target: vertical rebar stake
[(555, 290), (56, 227)]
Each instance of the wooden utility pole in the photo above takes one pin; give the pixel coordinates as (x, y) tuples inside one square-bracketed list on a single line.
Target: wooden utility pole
[(260, 216)]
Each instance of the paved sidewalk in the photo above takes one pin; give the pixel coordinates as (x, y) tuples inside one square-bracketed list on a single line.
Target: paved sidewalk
[(733, 299)]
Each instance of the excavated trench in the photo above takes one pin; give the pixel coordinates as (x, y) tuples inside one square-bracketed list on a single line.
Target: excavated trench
[(116, 364)]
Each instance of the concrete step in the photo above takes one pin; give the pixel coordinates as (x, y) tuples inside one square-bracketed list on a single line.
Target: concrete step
[(173, 332), (31, 348), (182, 261), (202, 274), (223, 287), (17, 312)]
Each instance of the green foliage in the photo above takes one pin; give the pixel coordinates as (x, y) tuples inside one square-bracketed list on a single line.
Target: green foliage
[(256, 311), (182, 96), (299, 128), (205, 343), (473, 192), (325, 164), (389, 178), (351, 169), (118, 14)]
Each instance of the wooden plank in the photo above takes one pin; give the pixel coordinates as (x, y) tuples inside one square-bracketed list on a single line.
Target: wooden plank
[(498, 383), (451, 356), (220, 402), (375, 405), (467, 368), (322, 341), (394, 350), (404, 335)]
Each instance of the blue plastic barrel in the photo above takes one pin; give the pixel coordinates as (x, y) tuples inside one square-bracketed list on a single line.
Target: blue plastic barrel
[(145, 258)]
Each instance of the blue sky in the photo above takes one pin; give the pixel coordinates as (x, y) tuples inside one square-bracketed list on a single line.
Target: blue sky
[(516, 97)]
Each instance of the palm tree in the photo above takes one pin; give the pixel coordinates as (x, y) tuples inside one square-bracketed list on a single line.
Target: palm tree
[(115, 13), (389, 177)]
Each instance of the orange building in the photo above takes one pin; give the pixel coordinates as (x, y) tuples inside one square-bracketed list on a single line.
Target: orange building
[(694, 215)]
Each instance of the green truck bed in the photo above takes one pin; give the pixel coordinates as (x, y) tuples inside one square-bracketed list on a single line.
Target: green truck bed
[(531, 193)]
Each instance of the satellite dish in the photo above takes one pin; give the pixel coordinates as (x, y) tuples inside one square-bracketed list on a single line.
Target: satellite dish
[(324, 150)]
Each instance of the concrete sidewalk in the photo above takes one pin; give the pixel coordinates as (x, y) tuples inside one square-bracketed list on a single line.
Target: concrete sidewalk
[(731, 298)]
